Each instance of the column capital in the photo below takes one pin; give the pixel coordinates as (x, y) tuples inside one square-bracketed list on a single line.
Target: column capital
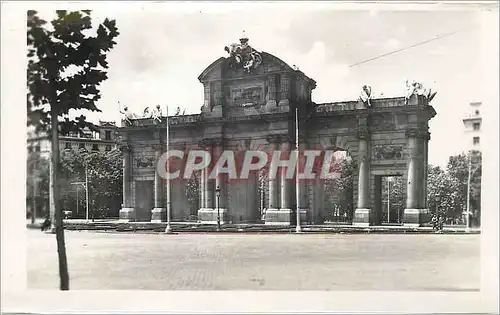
[(178, 145), (206, 142), (210, 142), (220, 141), (302, 140), (427, 136), (273, 139), (363, 130), (287, 139), (363, 133), (157, 147), (125, 148), (418, 133)]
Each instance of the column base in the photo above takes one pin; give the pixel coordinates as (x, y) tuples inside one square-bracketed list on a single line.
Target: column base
[(363, 217), (284, 104), (158, 215), (415, 217), (128, 215), (278, 216), (209, 215), (303, 216)]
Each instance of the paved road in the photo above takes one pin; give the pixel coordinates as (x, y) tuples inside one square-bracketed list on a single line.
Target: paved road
[(257, 262)]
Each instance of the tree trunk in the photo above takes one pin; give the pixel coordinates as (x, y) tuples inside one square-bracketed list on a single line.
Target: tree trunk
[(61, 248), (33, 212)]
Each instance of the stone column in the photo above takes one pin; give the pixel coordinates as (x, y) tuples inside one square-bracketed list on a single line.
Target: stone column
[(285, 90), (207, 93), (220, 205), (209, 184), (127, 212), (415, 213), (273, 183), (303, 201), (426, 139), (271, 92), (363, 214), (286, 184), (278, 211), (207, 208), (159, 212), (202, 189)]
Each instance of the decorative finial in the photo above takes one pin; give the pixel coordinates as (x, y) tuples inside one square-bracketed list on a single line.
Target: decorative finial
[(244, 38)]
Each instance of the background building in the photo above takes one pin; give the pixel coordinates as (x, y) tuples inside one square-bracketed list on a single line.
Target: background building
[(473, 126), (103, 140), (472, 123)]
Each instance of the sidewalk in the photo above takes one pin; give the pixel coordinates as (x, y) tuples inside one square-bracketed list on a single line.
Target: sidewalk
[(114, 225)]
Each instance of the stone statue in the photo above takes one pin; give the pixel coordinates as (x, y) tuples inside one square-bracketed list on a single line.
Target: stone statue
[(127, 115), (157, 113), (242, 55), (147, 113), (417, 88), (178, 111), (366, 94)]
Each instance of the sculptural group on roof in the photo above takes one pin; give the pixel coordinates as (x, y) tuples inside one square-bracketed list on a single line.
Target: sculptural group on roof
[(417, 88), (242, 55)]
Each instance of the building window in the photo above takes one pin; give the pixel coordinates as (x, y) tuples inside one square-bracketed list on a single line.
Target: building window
[(476, 126), (475, 140), (81, 146), (67, 145), (95, 147), (107, 135), (108, 148), (477, 112), (37, 148)]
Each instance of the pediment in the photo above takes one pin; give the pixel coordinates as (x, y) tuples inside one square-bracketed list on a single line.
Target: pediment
[(221, 69)]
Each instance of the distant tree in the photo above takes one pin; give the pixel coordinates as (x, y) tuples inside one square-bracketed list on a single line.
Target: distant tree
[(105, 178), (193, 193), (37, 174), (439, 182), (451, 184), (66, 65), (339, 192)]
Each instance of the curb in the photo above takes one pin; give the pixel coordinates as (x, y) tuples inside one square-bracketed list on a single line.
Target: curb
[(208, 229)]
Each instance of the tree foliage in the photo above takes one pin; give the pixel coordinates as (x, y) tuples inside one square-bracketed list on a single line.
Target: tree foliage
[(66, 65)]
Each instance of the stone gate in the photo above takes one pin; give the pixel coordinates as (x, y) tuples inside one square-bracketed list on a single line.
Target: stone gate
[(249, 103)]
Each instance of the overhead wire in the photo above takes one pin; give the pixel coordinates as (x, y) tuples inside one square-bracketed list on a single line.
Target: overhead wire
[(411, 46)]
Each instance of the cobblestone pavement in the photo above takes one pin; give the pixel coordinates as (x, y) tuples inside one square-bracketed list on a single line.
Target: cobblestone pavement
[(101, 261)]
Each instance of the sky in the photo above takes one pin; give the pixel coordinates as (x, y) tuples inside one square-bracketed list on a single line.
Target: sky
[(162, 49)]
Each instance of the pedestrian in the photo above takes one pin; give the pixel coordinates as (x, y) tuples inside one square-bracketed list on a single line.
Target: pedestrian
[(46, 224)]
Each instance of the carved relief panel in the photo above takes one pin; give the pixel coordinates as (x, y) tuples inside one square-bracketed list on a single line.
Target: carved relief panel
[(387, 152), (144, 161), (247, 94)]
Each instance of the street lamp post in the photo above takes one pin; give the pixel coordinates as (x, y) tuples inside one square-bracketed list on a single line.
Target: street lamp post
[(168, 228), (217, 192), (84, 185), (438, 215), (87, 191), (298, 228), (389, 180), (467, 215)]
